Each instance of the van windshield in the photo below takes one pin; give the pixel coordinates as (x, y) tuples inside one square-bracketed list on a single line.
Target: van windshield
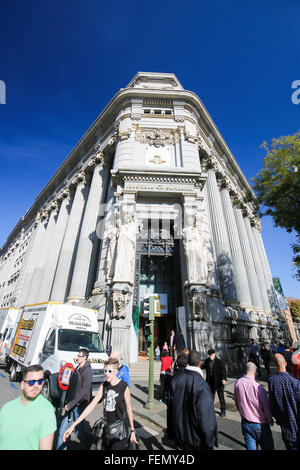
[(73, 340)]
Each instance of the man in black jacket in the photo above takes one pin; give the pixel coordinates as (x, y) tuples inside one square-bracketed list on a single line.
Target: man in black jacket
[(216, 377), (78, 397), (191, 412)]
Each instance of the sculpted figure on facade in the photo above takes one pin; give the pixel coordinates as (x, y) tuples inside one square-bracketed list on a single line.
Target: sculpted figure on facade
[(195, 247), (112, 236), (125, 249)]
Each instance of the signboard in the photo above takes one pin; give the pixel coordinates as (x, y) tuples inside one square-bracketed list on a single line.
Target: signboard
[(163, 300), (280, 295)]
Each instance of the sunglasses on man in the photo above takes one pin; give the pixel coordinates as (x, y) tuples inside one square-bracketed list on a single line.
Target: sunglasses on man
[(32, 382)]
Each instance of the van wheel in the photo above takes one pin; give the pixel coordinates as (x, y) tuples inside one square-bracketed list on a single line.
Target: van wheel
[(46, 389), (13, 373)]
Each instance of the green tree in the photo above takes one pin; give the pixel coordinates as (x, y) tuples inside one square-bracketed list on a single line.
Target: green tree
[(294, 305), (277, 187)]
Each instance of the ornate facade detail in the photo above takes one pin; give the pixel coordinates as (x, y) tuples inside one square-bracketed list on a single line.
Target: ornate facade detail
[(121, 298), (156, 137), (197, 300)]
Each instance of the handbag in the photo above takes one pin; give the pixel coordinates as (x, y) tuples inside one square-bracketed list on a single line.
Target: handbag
[(97, 433), (116, 431)]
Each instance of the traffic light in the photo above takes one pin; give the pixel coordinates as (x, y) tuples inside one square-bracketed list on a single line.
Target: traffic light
[(147, 334), (146, 307)]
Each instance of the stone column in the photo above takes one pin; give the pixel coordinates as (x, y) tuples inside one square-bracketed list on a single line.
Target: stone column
[(36, 243), (258, 267), (84, 259), (66, 257), (56, 243), (256, 229), (241, 281), (248, 260), (221, 242), (34, 296)]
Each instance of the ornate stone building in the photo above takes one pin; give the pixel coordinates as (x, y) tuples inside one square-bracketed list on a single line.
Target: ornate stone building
[(150, 200)]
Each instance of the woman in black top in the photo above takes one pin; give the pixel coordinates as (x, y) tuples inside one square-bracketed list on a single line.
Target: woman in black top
[(116, 395)]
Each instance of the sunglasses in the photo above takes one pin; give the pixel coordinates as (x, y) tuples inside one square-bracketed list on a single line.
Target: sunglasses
[(109, 371), (32, 382)]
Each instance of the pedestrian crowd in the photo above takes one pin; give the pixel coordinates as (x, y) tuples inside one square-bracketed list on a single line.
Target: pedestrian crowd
[(30, 423)]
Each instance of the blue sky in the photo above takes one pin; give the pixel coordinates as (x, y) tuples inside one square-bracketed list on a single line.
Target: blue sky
[(63, 61)]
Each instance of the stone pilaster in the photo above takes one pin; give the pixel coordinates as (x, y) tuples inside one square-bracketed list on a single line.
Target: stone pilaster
[(221, 242), (65, 262), (84, 262)]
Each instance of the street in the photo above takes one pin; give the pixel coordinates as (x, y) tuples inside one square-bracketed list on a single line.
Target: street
[(151, 424)]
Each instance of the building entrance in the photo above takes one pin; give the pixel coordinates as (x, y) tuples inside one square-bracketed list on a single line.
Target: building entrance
[(158, 271)]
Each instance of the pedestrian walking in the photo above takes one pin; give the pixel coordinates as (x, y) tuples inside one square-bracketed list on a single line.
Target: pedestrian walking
[(77, 399), (284, 396), (254, 355), (123, 372), (252, 403), (181, 362), (28, 422), (173, 345), (287, 354), (266, 356), (273, 348), (191, 416), (157, 353), (117, 403), (216, 377), (296, 359), (165, 374)]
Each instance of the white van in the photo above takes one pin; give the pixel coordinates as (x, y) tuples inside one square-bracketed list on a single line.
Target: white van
[(51, 334), (8, 323)]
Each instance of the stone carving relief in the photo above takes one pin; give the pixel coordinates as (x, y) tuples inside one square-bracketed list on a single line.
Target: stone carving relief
[(198, 299), (121, 300), (155, 137)]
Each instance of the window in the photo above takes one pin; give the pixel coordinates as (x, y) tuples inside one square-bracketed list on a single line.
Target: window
[(73, 340)]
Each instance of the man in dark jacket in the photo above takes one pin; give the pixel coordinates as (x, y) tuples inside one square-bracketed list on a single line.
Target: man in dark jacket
[(190, 409), (78, 397), (216, 377)]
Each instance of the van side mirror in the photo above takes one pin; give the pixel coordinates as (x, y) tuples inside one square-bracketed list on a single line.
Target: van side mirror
[(48, 348), (108, 350)]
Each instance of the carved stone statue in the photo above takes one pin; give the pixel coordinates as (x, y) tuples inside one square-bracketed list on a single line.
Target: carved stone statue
[(112, 236), (195, 247), (125, 250)]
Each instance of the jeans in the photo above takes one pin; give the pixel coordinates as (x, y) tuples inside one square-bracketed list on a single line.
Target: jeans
[(256, 433), (66, 422)]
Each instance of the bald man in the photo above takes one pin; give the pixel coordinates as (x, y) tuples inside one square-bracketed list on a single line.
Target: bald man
[(123, 372), (284, 396), (252, 402)]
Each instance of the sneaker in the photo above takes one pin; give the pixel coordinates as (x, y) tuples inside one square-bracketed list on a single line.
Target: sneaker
[(222, 414)]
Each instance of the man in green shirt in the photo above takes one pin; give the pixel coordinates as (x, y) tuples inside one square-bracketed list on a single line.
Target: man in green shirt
[(28, 422)]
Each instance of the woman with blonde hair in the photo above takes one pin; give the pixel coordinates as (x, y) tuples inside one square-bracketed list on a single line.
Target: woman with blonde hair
[(116, 395)]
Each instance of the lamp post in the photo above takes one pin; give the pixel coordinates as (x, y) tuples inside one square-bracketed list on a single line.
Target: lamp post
[(150, 403)]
